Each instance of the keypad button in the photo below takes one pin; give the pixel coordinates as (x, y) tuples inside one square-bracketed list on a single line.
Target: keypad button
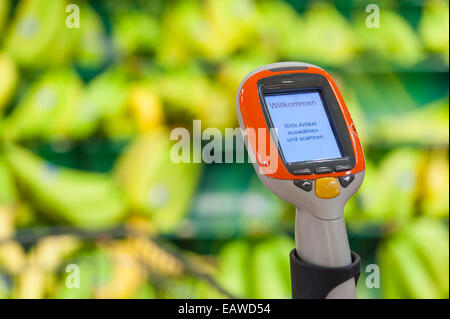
[(304, 171), (341, 168), (323, 170), (304, 184), (327, 187), (346, 180)]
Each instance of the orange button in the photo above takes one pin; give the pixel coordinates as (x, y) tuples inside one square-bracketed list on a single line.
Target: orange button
[(327, 187)]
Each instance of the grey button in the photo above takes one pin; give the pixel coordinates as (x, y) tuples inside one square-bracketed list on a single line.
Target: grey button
[(346, 180), (323, 170), (341, 168), (304, 171), (305, 184)]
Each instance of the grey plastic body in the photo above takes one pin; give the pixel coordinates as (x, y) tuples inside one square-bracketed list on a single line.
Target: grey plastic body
[(320, 232)]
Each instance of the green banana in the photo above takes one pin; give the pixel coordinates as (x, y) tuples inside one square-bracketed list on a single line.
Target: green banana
[(358, 114), (142, 111), (332, 46), (234, 70), (433, 27), (47, 109), (146, 291), (390, 278), (84, 199), (4, 290), (202, 29), (153, 183), (34, 29), (369, 199), (431, 242), (8, 190), (234, 268), (279, 29), (174, 87), (204, 290), (105, 100), (402, 47), (128, 35), (271, 269), (176, 49), (64, 46), (95, 269), (8, 80), (241, 14), (406, 272), (5, 6), (260, 270), (61, 123), (410, 128), (390, 193), (92, 51)]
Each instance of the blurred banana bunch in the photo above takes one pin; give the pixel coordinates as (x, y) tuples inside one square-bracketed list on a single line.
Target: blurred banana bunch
[(5, 6), (128, 35), (240, 14), (427, 125), (414, 263), (95, 268), (14, 211), (90, 200), (48, 109), (279, 32), (435, 184), (141, 111), (34, 270), (8, 201), (60, 107), (394, 40), (8, 80), (153, 183), (135, 267), (93, 49), (233, 71), (258, 270), (41, 35), (8, 190), (191, 93), (334, 45), (37, 30), (432, 27), (406, 183), (203, 29), (392, 188)]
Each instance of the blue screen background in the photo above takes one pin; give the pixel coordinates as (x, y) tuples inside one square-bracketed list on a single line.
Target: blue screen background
[(303, 129)]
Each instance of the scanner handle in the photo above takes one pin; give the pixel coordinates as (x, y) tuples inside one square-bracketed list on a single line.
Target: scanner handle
[(324, 243)]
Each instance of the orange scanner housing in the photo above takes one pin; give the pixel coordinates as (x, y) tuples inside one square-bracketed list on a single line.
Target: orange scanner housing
[(271, 163)]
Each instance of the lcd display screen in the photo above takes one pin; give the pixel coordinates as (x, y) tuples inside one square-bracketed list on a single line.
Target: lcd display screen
[(303, 127)]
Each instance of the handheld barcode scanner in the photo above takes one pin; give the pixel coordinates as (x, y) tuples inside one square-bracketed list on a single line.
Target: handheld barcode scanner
[(311, 158)]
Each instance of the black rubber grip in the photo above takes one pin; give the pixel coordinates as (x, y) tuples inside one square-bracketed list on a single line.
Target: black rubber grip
[(310, 281)]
